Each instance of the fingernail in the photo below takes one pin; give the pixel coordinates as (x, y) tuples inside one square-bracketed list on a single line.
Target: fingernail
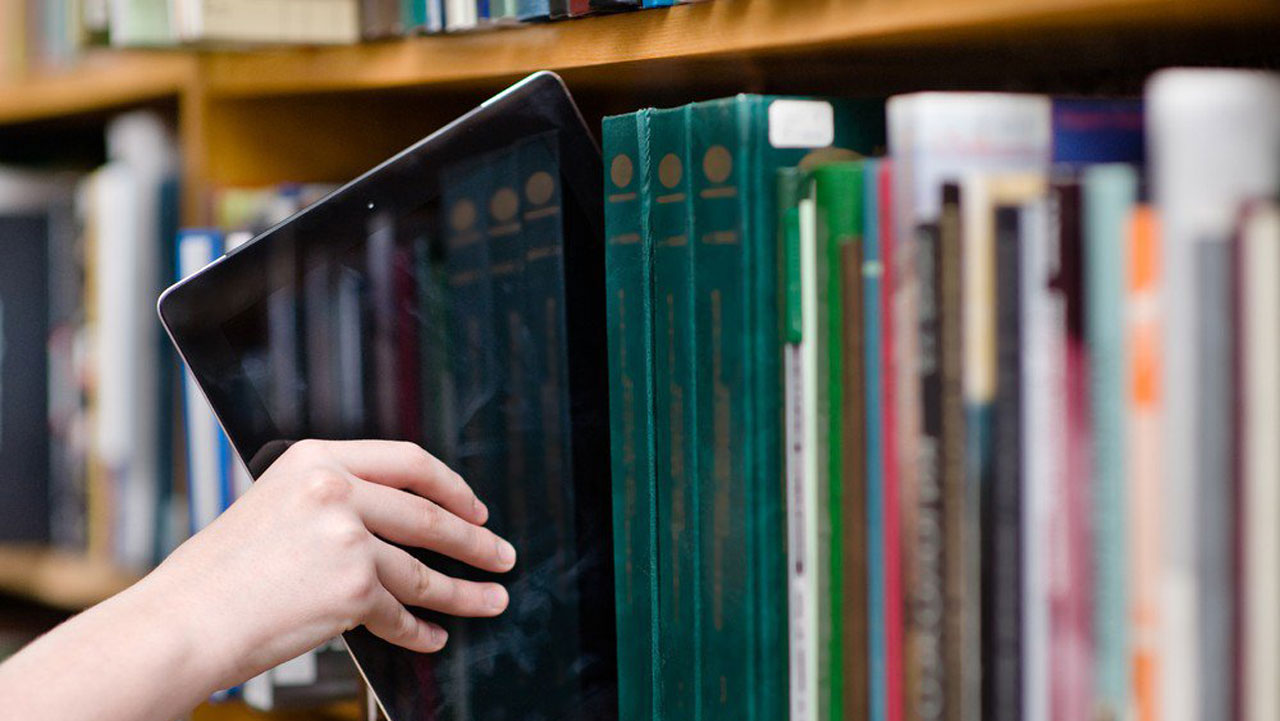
[(506, 553), (496, 597), (439, 636), (479, 510)]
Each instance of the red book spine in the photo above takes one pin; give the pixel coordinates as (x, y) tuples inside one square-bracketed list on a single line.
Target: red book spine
[(892, 503)]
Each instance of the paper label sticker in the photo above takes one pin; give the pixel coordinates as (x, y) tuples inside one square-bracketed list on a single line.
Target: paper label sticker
[(801, 124)]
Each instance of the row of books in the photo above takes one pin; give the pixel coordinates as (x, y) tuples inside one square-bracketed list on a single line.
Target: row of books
[(88, 382), (982, 428), (51, 33)]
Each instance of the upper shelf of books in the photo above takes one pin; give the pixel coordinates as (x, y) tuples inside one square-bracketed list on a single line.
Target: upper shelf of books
[(101, 80), (605, 51)]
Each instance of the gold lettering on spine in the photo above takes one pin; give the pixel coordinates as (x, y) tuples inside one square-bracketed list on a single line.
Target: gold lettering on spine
[(720, 462)]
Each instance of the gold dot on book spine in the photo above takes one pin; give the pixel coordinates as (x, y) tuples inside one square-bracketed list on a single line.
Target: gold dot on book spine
[(717, 163), (670, 170), (539, 187), (463, 215), (621, 171), (504, 204)]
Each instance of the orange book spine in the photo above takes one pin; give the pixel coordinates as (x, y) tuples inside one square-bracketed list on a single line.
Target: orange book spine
[(1143, 318)]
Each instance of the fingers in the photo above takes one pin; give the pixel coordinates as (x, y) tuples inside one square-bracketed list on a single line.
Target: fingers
[(414, 584), (400, 464), (409, 520), (390, 620)]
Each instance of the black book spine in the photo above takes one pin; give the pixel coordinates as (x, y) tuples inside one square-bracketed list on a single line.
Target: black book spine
[(1002, 501), (957, 524), (928, 596)]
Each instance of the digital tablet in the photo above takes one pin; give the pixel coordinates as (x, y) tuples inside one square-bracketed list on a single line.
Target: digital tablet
[(452, 296)]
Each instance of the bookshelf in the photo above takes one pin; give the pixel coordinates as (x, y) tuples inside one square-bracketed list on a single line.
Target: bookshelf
[(102, 80), (269, 115), (58, 579)]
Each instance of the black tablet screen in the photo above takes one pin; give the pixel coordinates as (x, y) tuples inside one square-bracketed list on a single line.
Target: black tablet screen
[(451, 298)]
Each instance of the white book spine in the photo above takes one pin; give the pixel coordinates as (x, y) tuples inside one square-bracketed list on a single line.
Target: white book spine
[(1214, 137), (1042, 441), (801, 370), (1260, 365)]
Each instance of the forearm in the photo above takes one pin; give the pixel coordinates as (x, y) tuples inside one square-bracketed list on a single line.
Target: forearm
[(136, 657)]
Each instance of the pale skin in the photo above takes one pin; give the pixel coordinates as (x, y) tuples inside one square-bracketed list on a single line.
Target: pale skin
[(296, 561)]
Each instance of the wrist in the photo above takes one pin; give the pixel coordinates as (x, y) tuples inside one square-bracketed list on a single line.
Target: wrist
[(202, 650)]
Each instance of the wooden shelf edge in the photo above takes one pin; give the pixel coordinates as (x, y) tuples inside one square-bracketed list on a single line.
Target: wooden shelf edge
[(59, 579), (100, 80), (724, 28)]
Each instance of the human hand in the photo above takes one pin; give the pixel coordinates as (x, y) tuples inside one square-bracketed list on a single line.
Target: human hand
[(302, 556)]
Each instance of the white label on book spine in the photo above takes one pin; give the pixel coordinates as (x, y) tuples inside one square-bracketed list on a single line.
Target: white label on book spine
[(801, 124)]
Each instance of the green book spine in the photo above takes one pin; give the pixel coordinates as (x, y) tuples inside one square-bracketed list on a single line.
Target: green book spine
[(779, 136), (675, 384), (720, 170), (628, 257), (843, 675)]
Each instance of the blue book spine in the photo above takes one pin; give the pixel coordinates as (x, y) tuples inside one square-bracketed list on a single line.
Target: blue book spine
[(877, 687), (532, 9), (658, 3), (1092, 130), (1109, 194), (208, 479)]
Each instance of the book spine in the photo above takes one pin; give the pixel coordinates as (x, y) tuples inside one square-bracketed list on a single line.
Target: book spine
[(843, 593), (1215, 505), (957, 529), (891, 511), (905, 384), (679, 440), (771, 142), (793, 191), (1258, 363), (1071, 576), (1002, 508), (205, 485), (727, 502), (978, 354), (546, 433), (628, 258), (928, 595), (1041, 358), (1109, 192), (871, 273), (1144, 379)]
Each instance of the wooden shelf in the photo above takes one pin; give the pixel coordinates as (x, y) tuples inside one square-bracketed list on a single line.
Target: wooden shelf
[(57, 578), (593, 48), (237, 711), (593, 51)]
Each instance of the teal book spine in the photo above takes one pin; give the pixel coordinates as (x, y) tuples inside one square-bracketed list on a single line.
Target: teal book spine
[(777, 135), (677, 450), (628, 272), (413, 16), (539, 332), (475, 419), (1109, 194), (725, 519), (873, 398)]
